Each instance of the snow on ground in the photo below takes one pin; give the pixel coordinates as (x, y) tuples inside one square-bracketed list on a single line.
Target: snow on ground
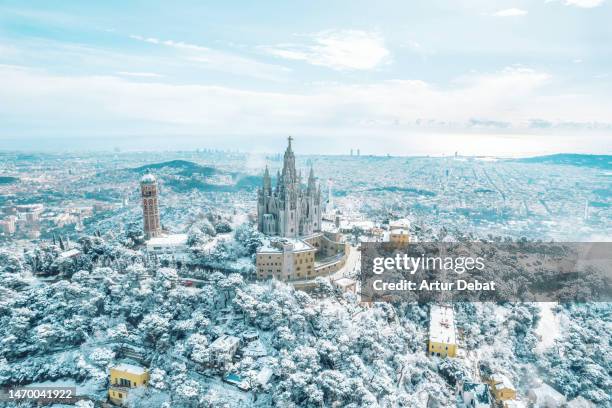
[(549, 326)]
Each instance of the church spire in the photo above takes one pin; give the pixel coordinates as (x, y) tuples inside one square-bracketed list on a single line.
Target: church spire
[(311, 181), (267, 182), (289, 173)]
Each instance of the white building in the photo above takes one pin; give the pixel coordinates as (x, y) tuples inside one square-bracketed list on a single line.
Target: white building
[(442, 334), (169, 247), (223, 349)]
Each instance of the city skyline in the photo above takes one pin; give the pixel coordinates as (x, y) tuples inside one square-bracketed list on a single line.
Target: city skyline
[(421, 80)]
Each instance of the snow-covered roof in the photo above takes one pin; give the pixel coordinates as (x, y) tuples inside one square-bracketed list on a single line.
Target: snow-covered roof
[(442, 324), (350, 224), (514, 404), (168, 240), (277, 245), (264, 375), (344, 282), (225, 342), (70, 253), (130, 368), (580, 402), (148, 179), (401, 223), (501, 381), (255, 348)]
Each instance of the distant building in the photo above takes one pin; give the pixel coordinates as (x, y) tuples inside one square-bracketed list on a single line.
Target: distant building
[(150, 206), (474, 395), (290, 209), (401, 223), (442, 336), (123, 378), (502, 387), (30, 212), (346, 285), (399, 236), (7, 226)]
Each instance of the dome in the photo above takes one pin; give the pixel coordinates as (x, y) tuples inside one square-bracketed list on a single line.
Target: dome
[(148, 179)]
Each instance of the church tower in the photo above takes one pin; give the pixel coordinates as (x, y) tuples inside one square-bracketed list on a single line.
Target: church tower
[(150, 207)]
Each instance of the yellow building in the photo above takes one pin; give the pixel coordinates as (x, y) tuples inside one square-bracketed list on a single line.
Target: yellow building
[(399, 236), (442, 336), (123, 377), (502, 388), (285, 260), (293, 259)]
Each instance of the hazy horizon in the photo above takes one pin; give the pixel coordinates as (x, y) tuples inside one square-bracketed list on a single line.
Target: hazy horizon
[(422, 79)]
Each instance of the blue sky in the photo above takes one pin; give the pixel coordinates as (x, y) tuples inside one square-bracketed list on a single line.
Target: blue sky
[(422, 77)]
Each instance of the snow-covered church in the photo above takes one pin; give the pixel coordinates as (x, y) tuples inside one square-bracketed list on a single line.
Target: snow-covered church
[(290, 209)]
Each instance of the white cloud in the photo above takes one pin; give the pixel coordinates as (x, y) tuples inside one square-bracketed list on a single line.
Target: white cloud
[(584, 3), (580, 3), (140, 74), (337, 49), (89, 105), (221, 60), (511, 12)]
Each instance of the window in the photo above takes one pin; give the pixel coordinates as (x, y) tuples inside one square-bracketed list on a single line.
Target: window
[(120, 395)]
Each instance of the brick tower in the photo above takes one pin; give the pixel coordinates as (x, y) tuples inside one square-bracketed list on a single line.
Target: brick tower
[(150, 208)]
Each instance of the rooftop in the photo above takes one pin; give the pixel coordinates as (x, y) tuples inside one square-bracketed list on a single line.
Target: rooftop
[(148, 179), (503, 380), (70, 253), (401, 223), (442, 324), (344, 282), (168, 240), (276, 245), (129, 368), (224, 342)]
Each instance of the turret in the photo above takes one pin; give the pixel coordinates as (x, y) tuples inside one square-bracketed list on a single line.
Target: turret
[(311, 181), (267, 182)]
